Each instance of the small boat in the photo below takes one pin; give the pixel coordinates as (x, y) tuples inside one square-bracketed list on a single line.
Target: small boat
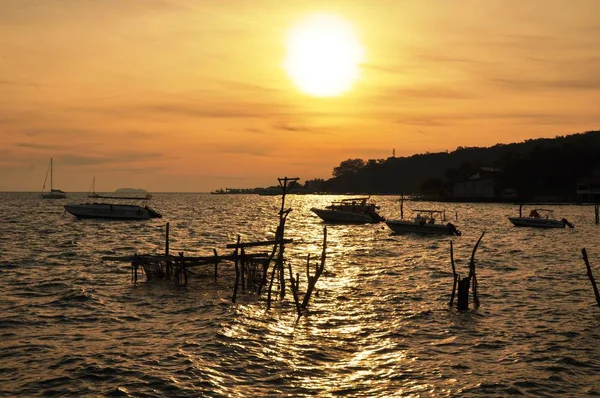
[(116, 211), (427, 222), (112, 207), (539, 218), (351, 211), (53, 193)]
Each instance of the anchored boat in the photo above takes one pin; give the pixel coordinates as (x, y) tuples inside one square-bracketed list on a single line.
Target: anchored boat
[(426, 222), (539, 218), (350, 211), (114, 207), (53, 193)]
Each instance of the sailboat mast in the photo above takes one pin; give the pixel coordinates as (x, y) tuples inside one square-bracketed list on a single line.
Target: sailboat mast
[(50, 174)]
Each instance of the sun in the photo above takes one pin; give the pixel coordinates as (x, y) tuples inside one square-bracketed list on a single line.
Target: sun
[(323, 55)]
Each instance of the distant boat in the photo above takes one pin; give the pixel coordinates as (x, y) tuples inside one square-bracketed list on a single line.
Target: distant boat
[(53, 193), (351, 211), (426, 222), (112, 207), (540, 218)]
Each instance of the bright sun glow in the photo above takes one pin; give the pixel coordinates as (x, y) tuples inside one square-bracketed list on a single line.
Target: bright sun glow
[(323, 56)]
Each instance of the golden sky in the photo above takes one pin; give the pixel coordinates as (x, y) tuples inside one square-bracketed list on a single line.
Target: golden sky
[(192, 95)]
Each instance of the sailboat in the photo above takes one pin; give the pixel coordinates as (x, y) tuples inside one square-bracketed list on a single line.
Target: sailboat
[(53, 193)]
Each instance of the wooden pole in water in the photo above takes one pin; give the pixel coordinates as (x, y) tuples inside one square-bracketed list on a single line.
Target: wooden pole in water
[(590, 275), (237, 271), (216, 262), (167, 240), (243, 268), (168, 264), (462, 302), (402, 206), (312, 281), (453, 274), (472, 273)]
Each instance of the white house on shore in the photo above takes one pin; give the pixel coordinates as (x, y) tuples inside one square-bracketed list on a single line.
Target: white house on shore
[(588, 189), (482, 185)]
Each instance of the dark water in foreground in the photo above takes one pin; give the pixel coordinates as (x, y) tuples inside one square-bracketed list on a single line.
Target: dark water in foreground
[(72, 324)]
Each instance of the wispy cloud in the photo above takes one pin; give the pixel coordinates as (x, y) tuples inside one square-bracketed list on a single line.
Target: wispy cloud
[(566, 84), (17, 83), (118, 158)]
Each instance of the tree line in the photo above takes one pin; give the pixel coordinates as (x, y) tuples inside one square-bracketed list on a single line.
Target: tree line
[(543, 166)]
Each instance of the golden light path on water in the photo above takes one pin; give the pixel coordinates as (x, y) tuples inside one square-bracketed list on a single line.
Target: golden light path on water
[(378, 325)]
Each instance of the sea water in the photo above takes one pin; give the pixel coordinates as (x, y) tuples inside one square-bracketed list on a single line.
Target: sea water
[(379, 325)]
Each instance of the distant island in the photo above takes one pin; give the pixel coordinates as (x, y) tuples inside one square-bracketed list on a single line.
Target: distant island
[(131, 190), (564, 168)]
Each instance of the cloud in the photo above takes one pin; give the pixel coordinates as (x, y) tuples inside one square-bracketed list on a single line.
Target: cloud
[(18, 83), (428, 92), (119, 158), (566, 84), (522, 118), (259, 150), (31, 145)]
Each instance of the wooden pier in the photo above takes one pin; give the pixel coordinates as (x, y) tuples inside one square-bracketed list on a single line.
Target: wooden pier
[(251, 269)]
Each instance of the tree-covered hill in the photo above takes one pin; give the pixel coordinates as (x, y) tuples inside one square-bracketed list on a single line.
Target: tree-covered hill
[(544, 166)]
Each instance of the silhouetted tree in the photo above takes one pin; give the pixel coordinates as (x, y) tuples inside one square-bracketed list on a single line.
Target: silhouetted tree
[(350, 166)]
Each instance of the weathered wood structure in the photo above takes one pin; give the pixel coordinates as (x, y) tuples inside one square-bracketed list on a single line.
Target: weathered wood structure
[(251, 269), (590, 275), (463, 284)]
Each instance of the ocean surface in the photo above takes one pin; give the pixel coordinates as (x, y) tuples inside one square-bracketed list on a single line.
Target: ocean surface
[(73, 324)]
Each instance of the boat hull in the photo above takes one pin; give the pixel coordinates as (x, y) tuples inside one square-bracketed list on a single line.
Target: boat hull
[(111, 211), (536, 222), (401, 227), (348, 217), (54, 196)]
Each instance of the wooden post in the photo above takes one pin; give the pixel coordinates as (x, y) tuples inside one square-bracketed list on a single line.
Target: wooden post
[(167, 240), (590, 275), (216, 262), (312, 281), (453, 274), (402, 206), (243, 268), (464, 283), (237, 271), (294, 284), (472, 273), (521, 210), (184, 268), (597, 213), (168, 265), (463, 294)]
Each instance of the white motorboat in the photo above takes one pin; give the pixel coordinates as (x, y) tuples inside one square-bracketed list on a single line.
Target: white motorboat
[(112, 211), (539, 218), (426, 222), (114, 207), (350, 211), (53, 193)]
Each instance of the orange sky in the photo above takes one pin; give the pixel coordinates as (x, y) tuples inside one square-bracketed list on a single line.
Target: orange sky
[(191, 95)]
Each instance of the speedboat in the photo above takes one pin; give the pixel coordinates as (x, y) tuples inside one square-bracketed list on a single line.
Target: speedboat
[(351, 211), (540, 218), (427, 222), (112, 211), (114, 207)]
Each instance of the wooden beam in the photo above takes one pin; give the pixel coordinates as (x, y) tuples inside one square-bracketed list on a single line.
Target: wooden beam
[(263, 243)]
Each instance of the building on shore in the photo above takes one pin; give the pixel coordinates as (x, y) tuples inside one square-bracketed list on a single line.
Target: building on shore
[(588, 189)]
